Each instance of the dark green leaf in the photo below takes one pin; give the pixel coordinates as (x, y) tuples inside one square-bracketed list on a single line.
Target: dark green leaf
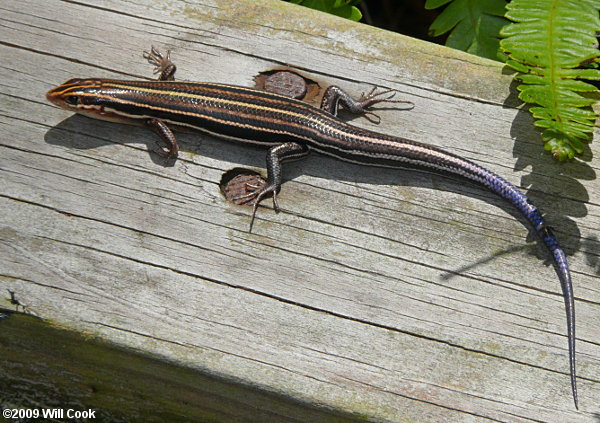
[(473, 24), (348, 12), (343, 8)]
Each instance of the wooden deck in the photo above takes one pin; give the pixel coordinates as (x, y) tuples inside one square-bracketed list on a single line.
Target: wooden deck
[(375, 295)]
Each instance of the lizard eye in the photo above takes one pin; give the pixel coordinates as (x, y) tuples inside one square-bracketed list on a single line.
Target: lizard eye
[(73, 100)]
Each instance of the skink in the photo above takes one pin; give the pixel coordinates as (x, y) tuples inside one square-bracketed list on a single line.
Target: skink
[(291, 129)]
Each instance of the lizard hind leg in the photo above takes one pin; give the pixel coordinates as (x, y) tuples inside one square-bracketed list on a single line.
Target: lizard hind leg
[(275, 157)]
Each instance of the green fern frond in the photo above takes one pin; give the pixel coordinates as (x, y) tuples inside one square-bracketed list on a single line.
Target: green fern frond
[(550, 39), (474, 24)]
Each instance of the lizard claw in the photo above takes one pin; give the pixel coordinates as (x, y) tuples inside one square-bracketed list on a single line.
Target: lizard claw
[(157, 59), (162, 64), (372, 98), (269, 189), (255, 192)]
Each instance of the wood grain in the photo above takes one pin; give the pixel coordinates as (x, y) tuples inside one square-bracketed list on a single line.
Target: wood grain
[(390, 295)]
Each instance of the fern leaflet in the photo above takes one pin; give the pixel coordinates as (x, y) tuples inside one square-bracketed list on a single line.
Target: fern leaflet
[(550, 39)]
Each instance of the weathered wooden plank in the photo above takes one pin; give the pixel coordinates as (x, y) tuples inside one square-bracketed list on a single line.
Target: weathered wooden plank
[(392, 294)]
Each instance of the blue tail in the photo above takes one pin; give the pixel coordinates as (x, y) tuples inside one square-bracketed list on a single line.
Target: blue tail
[(532, 214)]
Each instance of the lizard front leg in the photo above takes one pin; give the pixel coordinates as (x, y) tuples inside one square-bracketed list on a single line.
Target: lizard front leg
[(166, 68), (275, 157)]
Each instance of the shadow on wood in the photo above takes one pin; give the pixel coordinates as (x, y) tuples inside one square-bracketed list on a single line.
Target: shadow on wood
[(44, 366)]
